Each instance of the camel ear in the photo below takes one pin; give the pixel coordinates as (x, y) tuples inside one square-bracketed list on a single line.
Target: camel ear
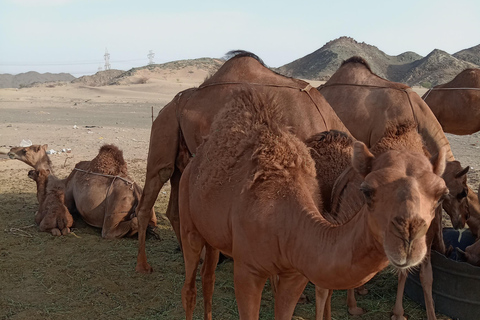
[(439, 162), (362, 158), (462, 173), (45, 147)]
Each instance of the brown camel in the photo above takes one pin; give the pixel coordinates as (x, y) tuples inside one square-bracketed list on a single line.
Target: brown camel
[(329, 150), (257, 201), (181, 125), (52, 215), (367, 104), (456, 104), (35, 156), (104, 195), (100, 190)]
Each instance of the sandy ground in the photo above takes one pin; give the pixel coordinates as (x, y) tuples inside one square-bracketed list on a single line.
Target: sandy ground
[(82, 119)]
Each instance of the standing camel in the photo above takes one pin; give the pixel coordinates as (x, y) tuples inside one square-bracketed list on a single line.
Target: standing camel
[(367, 103), (456, 104), (257, 201), (183, 123)]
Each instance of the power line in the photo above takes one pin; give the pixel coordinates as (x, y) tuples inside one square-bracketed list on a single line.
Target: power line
[(17, 64)]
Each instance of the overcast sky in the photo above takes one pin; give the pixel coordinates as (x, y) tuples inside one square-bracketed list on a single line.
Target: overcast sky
[(72, 35)]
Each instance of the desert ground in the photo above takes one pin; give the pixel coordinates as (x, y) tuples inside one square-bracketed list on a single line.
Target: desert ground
[(82, 276)]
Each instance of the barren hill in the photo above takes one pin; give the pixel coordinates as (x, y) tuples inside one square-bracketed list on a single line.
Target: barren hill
[(321, 64), (101, 78), (471, 55), (436, 68), (28, 78)]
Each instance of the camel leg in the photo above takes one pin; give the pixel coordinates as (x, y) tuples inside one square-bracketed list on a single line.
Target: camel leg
[(353, 309), (248, 291), (361, 290), (208, 279), (172, 209), (191, 254), (289, 288), (398, 307), (154, 182), (426, 278), (321, 298)]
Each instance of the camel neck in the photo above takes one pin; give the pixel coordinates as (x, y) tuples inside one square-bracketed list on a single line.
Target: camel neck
[(337, 256), (474, 210)]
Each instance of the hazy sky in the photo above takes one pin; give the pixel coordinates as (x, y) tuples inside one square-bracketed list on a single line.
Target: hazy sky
[(72, 35)]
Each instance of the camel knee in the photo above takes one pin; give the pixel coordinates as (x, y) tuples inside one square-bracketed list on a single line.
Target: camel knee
[(165, 173)]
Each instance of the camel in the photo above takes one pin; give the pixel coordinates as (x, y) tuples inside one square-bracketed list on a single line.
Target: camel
[(456, 104), (257, 201), (52, 215), (104, 194), (35, 156), (181, 125), (366, 104), (100, 190)]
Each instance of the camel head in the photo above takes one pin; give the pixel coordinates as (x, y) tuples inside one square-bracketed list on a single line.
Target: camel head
[(35, 155), (402, 189), (471, 254), (455, 203), (39, 174)]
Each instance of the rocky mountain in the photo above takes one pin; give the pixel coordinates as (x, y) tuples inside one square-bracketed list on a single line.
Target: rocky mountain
[(28, 78), (410, 68), (471, 55)]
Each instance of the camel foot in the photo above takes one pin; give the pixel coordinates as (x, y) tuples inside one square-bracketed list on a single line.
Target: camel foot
[(65, 231), (151, 231), (303, 299), (361, 290), (356, 311), (143, 268), (397, 317), (56, 232)]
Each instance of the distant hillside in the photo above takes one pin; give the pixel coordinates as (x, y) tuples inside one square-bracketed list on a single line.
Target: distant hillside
[(471, 55), (410, 68), (28, 78), (321, 64), (101, 78), (436, 68), (170, 71)]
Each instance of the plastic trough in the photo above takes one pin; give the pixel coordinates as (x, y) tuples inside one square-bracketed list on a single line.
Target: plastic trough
[(456, 288)]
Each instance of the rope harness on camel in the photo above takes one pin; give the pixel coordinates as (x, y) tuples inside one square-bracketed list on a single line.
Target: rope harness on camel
[(128, 182), (431, 89)]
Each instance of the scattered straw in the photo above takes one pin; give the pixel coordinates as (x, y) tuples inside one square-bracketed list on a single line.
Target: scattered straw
[(21, 231)]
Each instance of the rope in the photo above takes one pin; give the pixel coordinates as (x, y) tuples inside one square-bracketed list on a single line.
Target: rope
[(306, 90), (431, 89), (128, 182)]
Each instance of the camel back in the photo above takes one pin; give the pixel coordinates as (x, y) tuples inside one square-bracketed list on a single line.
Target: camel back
[(249, 134)]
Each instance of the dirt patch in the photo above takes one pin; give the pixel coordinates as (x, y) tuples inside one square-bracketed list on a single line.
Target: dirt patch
[(81, 276)]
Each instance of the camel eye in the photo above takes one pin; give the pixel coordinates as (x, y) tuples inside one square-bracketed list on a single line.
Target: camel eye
[(462, 194), (368, 192)]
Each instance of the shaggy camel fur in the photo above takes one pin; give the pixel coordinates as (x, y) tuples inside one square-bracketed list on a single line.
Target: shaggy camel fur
[(104, 195), (367, 103), (35, 156), (257, 201), (456, 104), (181, 125), (52, 215)]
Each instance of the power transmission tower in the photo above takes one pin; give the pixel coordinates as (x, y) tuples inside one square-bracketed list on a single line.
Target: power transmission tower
[(150, 56), (107, 59)]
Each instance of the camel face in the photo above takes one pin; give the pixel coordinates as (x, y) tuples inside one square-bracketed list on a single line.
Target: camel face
[(455, 203), (403, 191), (30, 155)]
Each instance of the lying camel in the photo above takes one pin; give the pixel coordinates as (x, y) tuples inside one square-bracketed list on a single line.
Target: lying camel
[(257, 201), (52, 215), (104, 195), (35, 156), (100, 190), (367, 103), (456, 104), (181, 125)]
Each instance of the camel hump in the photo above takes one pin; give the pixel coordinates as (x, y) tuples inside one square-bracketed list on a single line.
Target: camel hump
[(357, 59), (400, 136), (233, 54), (109, 161)]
